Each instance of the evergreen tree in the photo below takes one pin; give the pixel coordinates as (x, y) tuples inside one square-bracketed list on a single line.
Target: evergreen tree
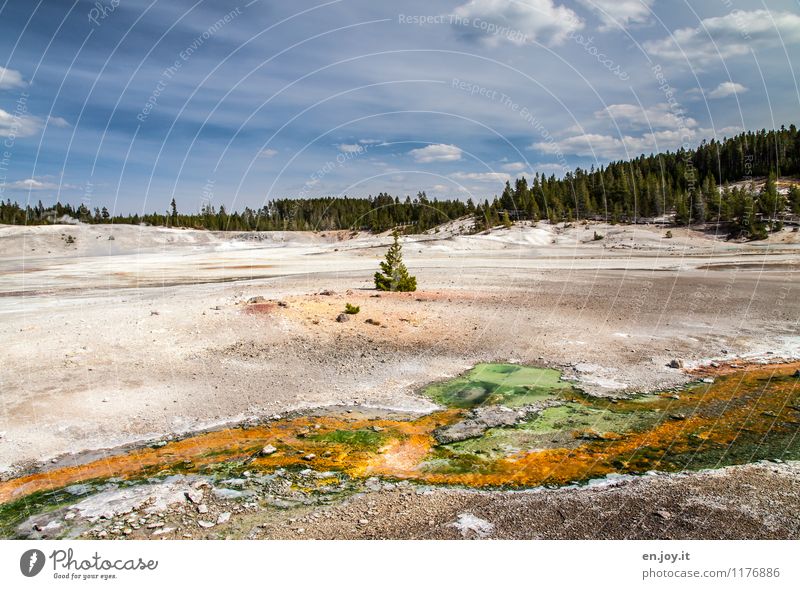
[(393, 275), (771, 202), (698, 207), (794, 200)]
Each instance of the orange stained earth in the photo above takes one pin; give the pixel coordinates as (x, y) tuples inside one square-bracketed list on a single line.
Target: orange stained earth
[(744, 405)]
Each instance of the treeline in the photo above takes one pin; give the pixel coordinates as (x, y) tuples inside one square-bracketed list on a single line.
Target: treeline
[(307, 214), (683, 184)]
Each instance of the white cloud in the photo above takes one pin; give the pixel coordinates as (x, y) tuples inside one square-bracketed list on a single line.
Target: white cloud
[(586, 144), (350, 148), (438, 152), (10, 79), (639, 130), (728, 36), (515, 166), (727, 89), (626, 146), (493, 177), (12, 125), (616, 13), (32, 184), (547, 169), (514, 21), (268, 152), (57, 122), (369, 141), (659, 116)]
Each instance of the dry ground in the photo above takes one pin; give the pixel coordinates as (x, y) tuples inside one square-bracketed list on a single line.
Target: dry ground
[(150, 334)]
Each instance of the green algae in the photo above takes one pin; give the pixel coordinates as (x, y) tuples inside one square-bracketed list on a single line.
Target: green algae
[(575, 417), (13, 513), (360, 439), (744, 416), (511, 385)]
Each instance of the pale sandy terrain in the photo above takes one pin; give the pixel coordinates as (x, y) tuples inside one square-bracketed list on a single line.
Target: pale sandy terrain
[(108, 341)]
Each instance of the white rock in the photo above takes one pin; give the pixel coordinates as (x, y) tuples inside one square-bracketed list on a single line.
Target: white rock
[(469, 524), (224, 517), (149, 498), (161, 531), (195, 496)]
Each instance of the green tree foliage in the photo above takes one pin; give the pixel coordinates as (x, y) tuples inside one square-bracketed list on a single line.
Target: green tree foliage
[(794, 200), (393, 275)]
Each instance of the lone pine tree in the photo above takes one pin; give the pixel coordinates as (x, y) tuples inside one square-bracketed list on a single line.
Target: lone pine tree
[(393, 275)]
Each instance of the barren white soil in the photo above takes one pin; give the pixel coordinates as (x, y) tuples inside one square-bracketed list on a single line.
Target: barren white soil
[(113, 334)]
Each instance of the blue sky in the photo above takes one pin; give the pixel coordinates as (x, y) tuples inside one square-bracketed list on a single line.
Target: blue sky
[(130, 103)]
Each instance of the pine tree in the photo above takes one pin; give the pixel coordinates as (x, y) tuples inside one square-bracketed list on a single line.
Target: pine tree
[(394, 274), (772, 203)]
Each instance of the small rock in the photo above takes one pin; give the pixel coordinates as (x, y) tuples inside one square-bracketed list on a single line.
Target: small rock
[(254, 300), (708, 380), (195, 496), (363, 522), (675, 363), (223, 517), (202, 508), (663, 514), (205, 524), (309, 457), (227, 493), (161, 531), (342, 318)]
